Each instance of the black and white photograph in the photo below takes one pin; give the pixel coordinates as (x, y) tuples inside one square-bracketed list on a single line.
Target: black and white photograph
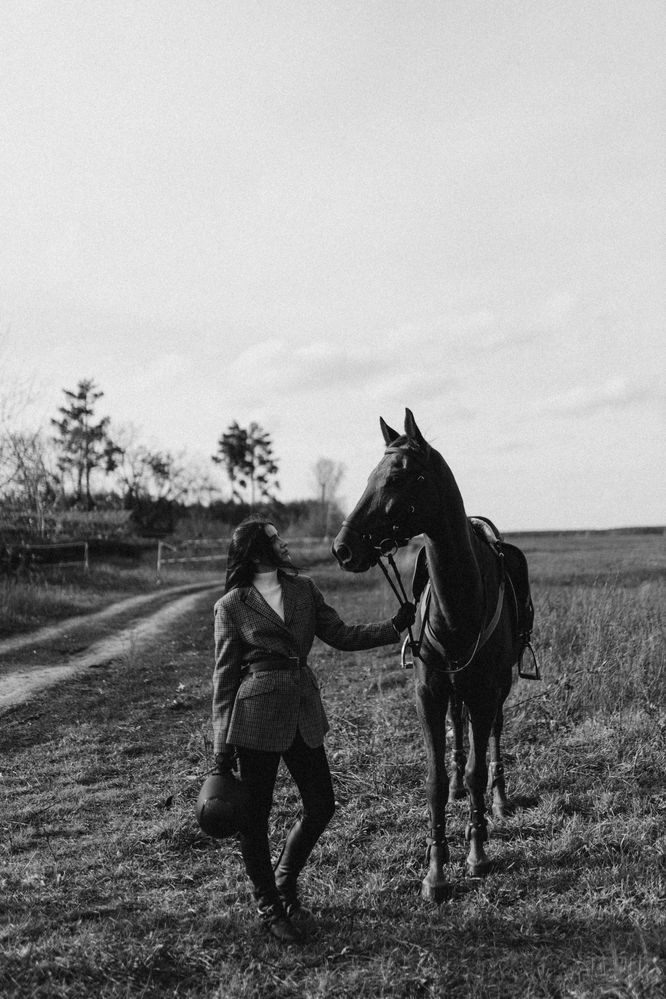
[(332, 499)]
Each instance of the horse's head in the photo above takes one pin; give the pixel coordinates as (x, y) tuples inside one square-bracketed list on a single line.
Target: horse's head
[(395, 502)]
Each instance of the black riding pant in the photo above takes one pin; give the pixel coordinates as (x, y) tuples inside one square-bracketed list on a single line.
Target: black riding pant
[(258, 771)]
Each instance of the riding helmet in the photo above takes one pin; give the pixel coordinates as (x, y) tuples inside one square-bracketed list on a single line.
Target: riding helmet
[(222, 805)]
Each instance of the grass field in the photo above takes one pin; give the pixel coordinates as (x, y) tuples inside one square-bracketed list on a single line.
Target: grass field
[(108, 888), (28, 604), (50, 595)]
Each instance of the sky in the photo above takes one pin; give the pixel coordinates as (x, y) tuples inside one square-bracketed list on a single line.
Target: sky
[(311, 215)]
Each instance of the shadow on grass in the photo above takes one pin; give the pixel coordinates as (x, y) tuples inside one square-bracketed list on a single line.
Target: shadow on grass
[(523, 802), (480, 931)]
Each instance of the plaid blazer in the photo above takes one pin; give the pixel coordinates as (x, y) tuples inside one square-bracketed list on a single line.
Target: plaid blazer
[(264, 710)]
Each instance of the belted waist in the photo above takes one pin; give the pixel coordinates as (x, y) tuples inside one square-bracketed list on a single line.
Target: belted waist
[(276, 662)]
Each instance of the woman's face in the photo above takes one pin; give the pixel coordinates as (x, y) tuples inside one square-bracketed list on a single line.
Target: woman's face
[(279, 547)]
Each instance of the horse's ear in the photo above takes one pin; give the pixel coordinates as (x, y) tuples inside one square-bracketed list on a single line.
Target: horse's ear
[(412, 430), (388, 433)]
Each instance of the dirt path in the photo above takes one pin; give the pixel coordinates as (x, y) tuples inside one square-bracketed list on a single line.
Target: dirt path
[(92, 640)]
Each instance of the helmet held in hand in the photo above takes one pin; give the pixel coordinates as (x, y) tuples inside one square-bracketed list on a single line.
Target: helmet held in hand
[(221, 807)]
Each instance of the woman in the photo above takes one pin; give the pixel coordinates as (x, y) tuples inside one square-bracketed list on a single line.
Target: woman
[(266, 704)]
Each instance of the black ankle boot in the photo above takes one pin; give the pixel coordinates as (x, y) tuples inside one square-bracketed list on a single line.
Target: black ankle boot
[(291, 901), (278, 923)]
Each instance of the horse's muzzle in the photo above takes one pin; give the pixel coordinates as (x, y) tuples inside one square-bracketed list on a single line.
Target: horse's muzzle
[(352, 551)]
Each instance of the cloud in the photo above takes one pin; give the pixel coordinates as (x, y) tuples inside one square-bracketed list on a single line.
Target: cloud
[(485, 332), (615, 393), (389, 371), (414, 388), (280, 365), (324, 363)]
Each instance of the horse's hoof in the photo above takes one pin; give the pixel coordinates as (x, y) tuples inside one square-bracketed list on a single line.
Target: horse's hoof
[(479, 868), (436, 893), (457, 791), (502, 810)]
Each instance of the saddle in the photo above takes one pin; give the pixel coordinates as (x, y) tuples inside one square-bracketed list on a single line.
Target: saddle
[(517, 575)]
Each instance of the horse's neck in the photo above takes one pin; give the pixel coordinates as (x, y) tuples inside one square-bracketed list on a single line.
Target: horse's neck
[(454, 571)]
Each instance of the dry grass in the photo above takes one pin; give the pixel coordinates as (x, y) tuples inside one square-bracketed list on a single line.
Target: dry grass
[(108, 888), (43, 597)]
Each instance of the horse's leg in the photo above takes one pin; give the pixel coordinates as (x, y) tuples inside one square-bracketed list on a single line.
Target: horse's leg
[(496, 783), (476, 776), (431, 705), (457, 784)]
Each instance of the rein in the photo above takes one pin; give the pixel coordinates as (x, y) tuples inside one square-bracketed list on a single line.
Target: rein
[(401, 594), (413, 645)]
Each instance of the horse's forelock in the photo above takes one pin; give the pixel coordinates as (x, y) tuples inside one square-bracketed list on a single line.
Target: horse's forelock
[(408, 445)]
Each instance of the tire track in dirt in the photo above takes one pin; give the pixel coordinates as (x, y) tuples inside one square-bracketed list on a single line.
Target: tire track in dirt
[(19, 684)]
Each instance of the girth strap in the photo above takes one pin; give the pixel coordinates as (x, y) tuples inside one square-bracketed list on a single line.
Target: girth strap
[(482, 637)]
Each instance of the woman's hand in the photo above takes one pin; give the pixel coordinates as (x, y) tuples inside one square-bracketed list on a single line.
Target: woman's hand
[(404, 618), (225, 761)]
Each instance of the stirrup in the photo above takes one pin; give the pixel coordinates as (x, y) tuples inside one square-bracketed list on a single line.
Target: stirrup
[(413, 648), (535, 673)]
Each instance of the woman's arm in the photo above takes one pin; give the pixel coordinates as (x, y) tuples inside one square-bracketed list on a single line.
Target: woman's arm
[(349, 637), (226, 675)]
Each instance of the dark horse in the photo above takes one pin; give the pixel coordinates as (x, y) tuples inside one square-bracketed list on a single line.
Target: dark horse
[(469, 639)]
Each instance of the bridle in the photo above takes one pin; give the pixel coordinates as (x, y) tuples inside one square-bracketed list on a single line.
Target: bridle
[(397, 537), (386, 549)]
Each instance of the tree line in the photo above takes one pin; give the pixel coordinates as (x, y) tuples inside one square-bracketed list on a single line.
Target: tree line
[(81, 462)]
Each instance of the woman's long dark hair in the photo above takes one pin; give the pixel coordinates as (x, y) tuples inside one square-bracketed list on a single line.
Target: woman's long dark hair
[(250, 542)]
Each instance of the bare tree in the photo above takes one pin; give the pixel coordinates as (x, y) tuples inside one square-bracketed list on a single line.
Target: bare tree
[(17, 392), (177, 477), (327, 475), (30, 483), (132, 471), (17, 389)]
